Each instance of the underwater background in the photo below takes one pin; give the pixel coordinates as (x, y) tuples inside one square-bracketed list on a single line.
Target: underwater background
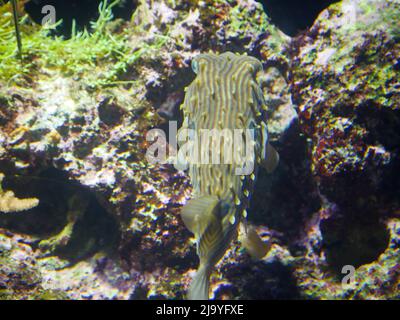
[(83, 215)]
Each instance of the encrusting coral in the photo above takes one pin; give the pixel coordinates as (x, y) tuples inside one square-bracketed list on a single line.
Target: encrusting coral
[(10, 203)]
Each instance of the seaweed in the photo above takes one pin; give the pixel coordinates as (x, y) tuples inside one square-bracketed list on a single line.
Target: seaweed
[(97, 57)]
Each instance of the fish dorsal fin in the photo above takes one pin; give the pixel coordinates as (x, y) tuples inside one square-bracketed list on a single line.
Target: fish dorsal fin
[(272, 159), (197, 213)]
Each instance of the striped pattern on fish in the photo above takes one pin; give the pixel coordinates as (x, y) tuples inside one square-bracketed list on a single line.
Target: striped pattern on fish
[(224, 95)]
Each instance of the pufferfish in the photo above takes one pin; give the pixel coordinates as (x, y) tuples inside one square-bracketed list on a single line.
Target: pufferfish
[(224, 96)]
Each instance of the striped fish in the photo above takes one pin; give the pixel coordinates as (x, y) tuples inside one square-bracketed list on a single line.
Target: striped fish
[(223, 96)]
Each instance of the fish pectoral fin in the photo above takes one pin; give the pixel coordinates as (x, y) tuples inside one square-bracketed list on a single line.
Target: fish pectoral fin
[(253, 244), (197, 213), (272, 159)]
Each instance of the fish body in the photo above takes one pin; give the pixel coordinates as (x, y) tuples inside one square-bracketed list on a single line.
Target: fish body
[(224, 97)]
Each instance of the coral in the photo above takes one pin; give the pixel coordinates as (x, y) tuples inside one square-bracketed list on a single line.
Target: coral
[(10, 203)]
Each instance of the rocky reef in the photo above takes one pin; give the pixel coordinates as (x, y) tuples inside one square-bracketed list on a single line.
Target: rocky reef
[(104, 223)]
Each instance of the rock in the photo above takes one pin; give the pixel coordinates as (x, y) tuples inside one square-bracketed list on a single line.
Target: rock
[(82, 132), (73, 123), (344, 80)]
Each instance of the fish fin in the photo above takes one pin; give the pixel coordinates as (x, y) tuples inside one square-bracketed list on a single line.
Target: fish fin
[(272, 159), (197, 213), (253, 244), (200, 286)]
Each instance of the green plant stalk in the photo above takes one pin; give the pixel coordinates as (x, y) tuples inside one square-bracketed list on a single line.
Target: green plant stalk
[(16, 24)]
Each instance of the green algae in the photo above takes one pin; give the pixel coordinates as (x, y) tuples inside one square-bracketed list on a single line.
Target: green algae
[(243, 20), (97, 57)]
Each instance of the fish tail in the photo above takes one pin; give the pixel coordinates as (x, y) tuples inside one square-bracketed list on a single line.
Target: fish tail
[(199, 288)]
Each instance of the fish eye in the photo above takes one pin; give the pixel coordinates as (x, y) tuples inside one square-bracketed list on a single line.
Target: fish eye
[(195, 66)]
